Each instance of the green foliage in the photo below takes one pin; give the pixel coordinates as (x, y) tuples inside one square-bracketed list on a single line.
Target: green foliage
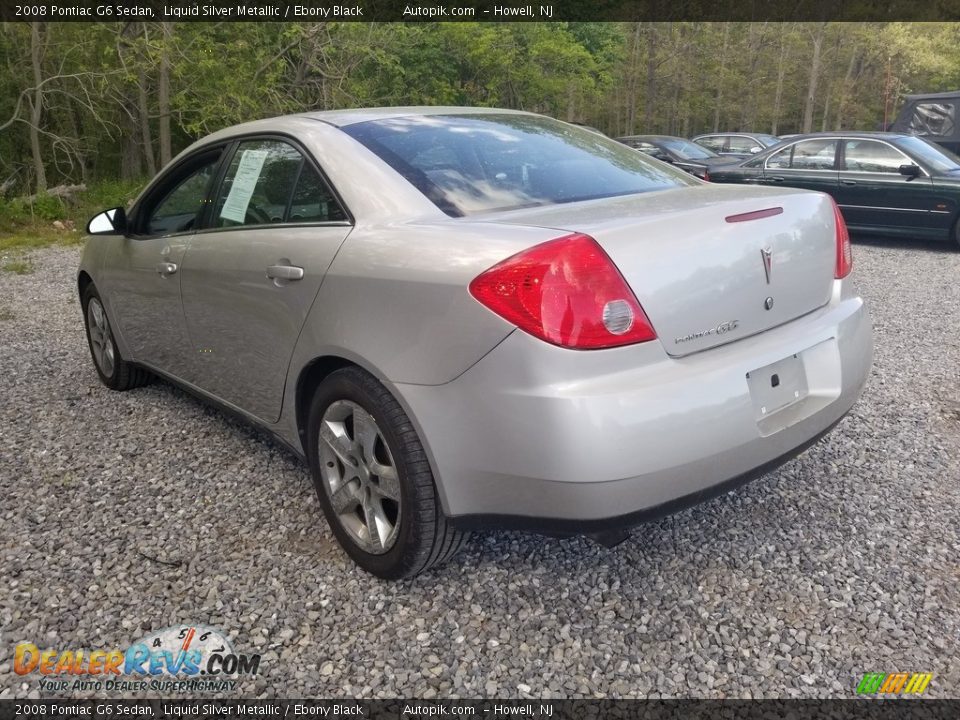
[(26, 224), (101, 87)]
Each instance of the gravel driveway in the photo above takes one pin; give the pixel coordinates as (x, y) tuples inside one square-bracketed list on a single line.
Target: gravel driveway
[(135, 511)]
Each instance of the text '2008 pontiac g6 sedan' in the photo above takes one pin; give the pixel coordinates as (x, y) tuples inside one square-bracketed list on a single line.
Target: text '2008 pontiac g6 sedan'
[(471, 318)]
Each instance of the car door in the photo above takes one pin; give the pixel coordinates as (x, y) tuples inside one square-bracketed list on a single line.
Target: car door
[(808, 164), (251, 276), (872, 192), (144, 274)]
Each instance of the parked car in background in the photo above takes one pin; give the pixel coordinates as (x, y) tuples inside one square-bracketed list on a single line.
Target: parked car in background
[(685, 154), (934, 116), (884, 183), (738, 145), (527, 325)]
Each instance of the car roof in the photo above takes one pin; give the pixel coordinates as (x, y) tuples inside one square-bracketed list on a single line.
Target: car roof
[(342, 118), (651, 137), (950, 94), (876, 134), (748, 133)]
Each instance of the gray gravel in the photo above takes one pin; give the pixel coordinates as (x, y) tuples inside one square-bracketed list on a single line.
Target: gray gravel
[(129, 512)]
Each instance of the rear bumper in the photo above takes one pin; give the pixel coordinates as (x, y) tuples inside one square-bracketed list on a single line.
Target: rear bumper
[(537, 437)]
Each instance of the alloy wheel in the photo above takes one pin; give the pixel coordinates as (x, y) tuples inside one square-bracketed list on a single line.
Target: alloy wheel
[(360, 476), (101, 340)]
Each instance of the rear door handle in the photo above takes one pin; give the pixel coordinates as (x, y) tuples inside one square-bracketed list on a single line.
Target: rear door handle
[(848, 182), (777, 178), (285, 272), (166, 268)]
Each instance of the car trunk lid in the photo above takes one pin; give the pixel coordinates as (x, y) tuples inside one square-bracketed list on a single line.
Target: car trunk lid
[(706, 266)]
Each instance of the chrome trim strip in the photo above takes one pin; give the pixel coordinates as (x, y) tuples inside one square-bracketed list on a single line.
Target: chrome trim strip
[(875, 207)]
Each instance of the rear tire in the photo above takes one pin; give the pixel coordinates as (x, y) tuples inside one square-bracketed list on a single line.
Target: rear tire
[(115, 372), (373, 479), (955, 235)]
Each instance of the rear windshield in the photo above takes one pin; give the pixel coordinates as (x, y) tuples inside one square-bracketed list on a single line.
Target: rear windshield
[(475, 163)]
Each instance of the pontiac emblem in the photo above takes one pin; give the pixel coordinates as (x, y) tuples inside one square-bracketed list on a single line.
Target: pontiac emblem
[(767, 255)]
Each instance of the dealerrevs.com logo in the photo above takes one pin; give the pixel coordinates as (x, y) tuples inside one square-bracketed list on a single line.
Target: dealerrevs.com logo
[(894, 683), (181, 658)]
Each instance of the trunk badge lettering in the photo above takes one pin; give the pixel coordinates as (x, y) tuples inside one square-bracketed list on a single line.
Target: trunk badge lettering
[(767, 255)]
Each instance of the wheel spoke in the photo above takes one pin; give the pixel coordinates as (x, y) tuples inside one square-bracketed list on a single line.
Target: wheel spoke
[(365, 432), (334, 435), (378, 527), (389, 484), (344, 499)]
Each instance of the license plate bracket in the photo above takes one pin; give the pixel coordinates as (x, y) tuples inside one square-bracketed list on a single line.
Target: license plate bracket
[(777, 386)]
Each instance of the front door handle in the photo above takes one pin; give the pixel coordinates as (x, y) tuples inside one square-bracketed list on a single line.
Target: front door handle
[(166, 268), (776, 178), (848, 182), (285, 272)]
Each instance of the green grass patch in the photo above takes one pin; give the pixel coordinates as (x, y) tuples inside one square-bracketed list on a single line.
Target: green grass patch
[(29, 224), (20, 267)]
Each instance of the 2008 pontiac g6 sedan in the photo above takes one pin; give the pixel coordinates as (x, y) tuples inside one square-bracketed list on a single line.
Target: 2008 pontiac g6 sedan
[(468, 319)]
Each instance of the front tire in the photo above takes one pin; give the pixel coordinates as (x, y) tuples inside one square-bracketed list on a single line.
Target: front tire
[(373, 479), (115, 372)]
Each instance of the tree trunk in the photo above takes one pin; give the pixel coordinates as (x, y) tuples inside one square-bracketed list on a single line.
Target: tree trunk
[(651, 85), (163, 93), (718, 100), (145, 136), (631, 80), (781, 73), (845, 88), (36, 104), (814, 78)]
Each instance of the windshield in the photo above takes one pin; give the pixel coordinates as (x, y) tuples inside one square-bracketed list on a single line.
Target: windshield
[(687, 150), (474, 163), (937, 158)]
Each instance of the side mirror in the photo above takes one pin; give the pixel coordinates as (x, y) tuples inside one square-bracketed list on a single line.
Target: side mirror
[(755, 149), (109, 222), (911, 170)]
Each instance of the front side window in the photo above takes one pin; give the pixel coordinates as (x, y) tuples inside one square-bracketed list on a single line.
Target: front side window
[(474, 163), (177, 210), (270, 182), (873, 156)]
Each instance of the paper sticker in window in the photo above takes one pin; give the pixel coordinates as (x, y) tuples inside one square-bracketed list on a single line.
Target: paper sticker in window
[(244, 183)]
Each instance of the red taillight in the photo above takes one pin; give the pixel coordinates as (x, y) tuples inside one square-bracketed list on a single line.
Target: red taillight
[(706, 176), (567, 292), (844, 251)]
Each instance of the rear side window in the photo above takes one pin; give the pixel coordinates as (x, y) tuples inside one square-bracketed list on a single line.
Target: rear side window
[(818, 154), (474, 163), (743, 144), (932, 119), (711, 143), (270, 182)]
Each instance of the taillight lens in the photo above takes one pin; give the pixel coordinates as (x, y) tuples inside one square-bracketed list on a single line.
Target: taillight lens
[(567, 292), (844, 251), (706, 175)]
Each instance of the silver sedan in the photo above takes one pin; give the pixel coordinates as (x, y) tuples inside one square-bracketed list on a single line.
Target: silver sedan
[(467, 319)]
